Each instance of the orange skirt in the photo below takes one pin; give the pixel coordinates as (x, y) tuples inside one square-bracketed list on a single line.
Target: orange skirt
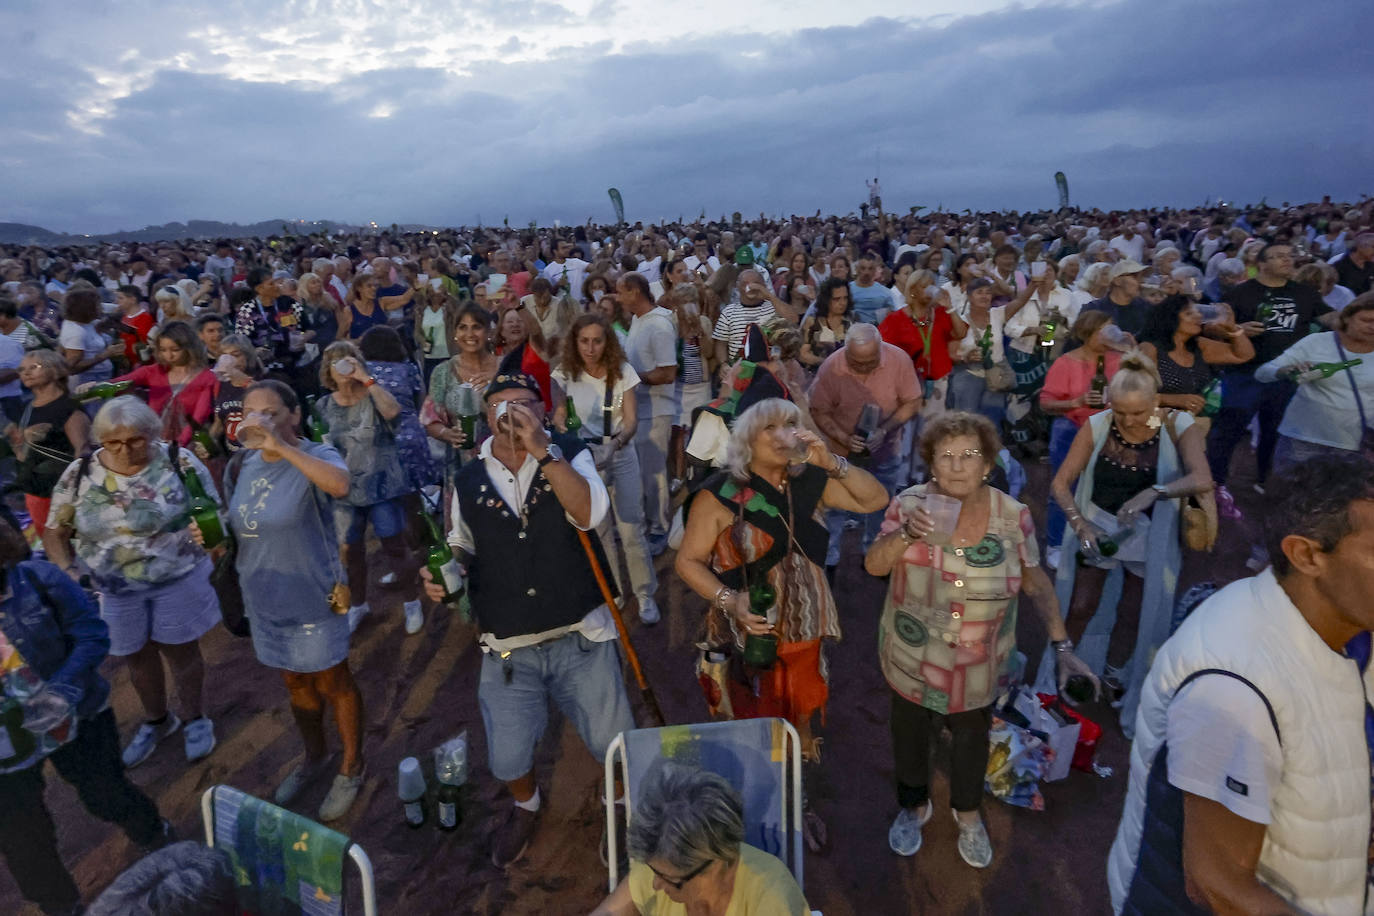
[(793, 689)]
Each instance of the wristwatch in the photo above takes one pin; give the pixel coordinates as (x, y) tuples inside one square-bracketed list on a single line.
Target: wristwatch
[(1161, 490), (554, 453)]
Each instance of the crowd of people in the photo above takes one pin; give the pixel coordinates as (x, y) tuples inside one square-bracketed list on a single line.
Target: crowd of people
[(189, 421)]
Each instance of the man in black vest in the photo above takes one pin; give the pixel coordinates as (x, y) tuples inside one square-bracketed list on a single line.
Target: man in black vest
[(546, 630)]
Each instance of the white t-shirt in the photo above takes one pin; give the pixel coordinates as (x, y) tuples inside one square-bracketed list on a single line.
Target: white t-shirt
[(87, 339), (589, 399), (652, 344), (577, 272), (693, 262), (1223, 747), (1133, 248), (11, 355), (651, 269)]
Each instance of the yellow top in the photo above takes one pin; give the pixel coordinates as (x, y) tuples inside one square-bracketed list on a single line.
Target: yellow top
[(763, 887)]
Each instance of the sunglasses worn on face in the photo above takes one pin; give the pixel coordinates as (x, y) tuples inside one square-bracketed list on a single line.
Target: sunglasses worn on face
[(678, 883), (124, 444)]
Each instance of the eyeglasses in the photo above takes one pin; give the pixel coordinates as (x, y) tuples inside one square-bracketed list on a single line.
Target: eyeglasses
[(949, 458), (125, 444), (677, 883)]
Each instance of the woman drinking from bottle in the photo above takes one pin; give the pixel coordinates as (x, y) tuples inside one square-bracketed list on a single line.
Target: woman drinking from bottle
[(1119, 487), (289, 555), (959, 554), (755, 550), (1185, 344), (593, 380), (237, 368), (361, 416), (50, 433)]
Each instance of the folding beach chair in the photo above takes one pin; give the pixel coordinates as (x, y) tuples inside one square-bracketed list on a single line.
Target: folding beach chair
[(760, 757), (283, 863)]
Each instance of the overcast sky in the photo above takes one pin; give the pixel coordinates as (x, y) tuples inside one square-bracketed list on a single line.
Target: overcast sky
[(121, 114)]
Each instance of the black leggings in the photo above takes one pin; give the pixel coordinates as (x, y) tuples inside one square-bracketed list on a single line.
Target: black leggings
[(914, 729), (28, 839)]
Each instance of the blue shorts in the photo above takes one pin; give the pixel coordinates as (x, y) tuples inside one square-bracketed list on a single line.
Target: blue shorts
[(388, 519), (581, 676)]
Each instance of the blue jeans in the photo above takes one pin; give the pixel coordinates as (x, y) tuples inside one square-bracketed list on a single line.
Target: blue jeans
[(388, 520), (887, 474), (581, 676), (1062, 432), (1242, 399), (970, 392)]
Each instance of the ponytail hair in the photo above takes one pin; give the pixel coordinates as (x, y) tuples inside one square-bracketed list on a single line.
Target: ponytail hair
[(1137, 374)]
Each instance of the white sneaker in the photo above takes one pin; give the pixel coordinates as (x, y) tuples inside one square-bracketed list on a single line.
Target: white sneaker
[(904, 836), (199, 736), (415, 617), (648, 611), (1052, 557), (147, 738), (974, 846), (356, 614)]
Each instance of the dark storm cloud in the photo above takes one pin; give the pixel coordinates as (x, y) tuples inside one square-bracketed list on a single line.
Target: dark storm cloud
[(1139, 102)]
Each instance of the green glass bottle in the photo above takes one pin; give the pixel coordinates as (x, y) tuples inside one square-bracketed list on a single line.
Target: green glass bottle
[(761, 650), (1212, 396), (1319, 371), (1099, 380), (573, 423), (104, 391), (1051, 326), (16, 743), (1265, 311), (203, 511), (443, 568), (315, 425), (449, 797), (200, 435)]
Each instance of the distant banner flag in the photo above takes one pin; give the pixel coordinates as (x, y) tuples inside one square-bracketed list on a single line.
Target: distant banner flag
[(618, 204), (1063, 184)]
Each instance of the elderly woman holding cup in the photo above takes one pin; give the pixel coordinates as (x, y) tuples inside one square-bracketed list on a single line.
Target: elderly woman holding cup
[(755, 549), (959, 554)]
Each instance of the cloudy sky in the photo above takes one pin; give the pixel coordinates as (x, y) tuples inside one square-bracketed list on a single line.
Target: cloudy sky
[(120, 114)]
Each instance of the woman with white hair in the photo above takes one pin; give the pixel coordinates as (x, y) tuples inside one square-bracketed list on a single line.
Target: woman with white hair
[(755, 548), (1093, 283), (125, 509), (688, 855), (173, 305)]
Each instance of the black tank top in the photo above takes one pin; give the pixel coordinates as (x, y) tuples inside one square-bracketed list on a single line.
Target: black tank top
[(1176, 379)]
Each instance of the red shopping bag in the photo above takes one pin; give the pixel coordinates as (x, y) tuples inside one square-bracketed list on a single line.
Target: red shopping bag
[(1088, 733)]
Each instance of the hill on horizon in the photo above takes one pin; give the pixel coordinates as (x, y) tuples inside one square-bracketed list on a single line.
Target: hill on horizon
[(23, 234)]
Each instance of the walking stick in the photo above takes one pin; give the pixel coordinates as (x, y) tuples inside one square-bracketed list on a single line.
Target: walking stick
[(645, 690)]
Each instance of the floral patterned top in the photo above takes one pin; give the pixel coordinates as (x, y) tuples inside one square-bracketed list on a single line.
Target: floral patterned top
[(948, 625), (130, 531)]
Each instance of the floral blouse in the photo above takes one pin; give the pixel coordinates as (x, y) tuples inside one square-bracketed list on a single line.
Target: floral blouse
[(948, 626), (131, 531)]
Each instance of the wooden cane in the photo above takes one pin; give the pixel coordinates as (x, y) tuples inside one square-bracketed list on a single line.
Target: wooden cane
[(645, 690)]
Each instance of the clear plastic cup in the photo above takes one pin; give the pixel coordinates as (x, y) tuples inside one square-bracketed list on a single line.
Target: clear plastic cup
[(793, 445), (908, 501), (944, 515), (346, 365), (1113, 336), (1210, 312)]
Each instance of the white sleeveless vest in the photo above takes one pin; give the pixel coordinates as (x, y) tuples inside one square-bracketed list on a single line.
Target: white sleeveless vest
[(1316, 846)]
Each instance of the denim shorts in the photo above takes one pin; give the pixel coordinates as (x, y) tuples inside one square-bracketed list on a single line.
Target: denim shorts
[(388, 519), (172, 613), (581, 676)]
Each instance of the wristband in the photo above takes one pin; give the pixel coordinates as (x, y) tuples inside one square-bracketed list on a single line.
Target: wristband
[(369, 383), (841, 469), (1062, 645)]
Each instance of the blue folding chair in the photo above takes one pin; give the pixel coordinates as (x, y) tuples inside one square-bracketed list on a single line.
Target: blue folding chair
[(283, 862), (760, 757)]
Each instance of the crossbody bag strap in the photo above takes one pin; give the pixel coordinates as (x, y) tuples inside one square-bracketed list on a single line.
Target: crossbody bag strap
[(1349, 374), (606, 411)]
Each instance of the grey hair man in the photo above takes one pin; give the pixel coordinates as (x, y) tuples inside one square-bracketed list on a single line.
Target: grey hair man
[(863, 374)]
